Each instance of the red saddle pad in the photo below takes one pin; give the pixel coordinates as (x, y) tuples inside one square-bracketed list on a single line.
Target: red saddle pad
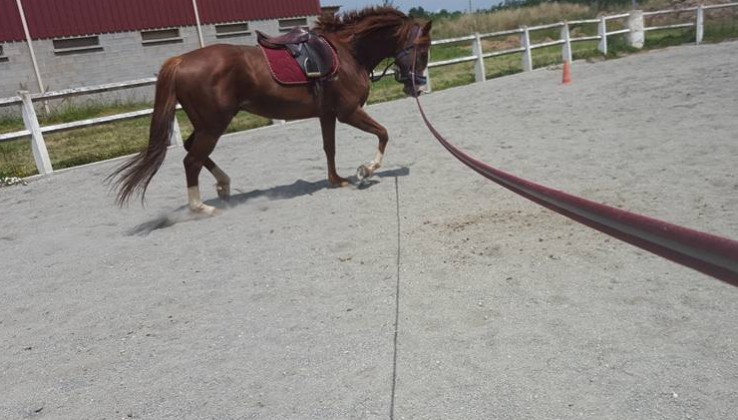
[(284, 67)]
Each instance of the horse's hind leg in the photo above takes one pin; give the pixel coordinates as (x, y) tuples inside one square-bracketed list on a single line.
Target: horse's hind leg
[(223, 181), (199, 146), (361, 120)]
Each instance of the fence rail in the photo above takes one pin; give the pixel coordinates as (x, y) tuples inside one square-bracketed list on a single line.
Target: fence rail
[(635, 31), (666, 12)]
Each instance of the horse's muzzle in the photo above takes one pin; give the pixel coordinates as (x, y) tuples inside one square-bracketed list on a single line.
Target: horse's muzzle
[(413, 91), (416, 85)]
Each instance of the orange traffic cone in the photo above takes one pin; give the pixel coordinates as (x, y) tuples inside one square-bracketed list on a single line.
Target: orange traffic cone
[(567, 73)]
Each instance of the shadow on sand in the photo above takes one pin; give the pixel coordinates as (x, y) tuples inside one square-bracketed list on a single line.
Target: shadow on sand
[(281, 192)]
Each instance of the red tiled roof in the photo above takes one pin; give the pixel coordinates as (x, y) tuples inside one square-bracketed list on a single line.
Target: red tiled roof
[(65, 18)]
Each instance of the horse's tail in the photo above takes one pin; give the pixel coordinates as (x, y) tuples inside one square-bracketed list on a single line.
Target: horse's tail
[(134, 175)]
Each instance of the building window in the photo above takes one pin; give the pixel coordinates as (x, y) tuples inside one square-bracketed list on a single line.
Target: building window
[(161, 36), (3, 58), (76, 45), (287, 24), (229, 30)]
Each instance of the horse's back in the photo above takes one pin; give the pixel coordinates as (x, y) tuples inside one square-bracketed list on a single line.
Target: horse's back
[(217, 56), (222, 68)]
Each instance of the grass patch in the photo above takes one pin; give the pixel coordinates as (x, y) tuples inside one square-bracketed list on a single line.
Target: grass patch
[(385, 90), (10, 124), (721, 31), (668, 38), (93, 144), (16, 159), (451, 76)]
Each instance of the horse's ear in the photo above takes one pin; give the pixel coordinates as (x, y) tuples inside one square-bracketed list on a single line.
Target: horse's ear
[(427, 27)]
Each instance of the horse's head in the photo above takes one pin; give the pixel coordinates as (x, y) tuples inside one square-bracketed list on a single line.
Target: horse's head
[(412, 60)]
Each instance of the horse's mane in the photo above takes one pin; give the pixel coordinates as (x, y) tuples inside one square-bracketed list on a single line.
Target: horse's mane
[(362, 21)]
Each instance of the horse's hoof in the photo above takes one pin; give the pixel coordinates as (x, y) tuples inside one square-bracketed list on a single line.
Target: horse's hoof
[(224, 191), (205, 210), (363, 172), (339, 182)]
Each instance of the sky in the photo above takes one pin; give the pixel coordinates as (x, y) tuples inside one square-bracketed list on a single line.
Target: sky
[(405, 5)]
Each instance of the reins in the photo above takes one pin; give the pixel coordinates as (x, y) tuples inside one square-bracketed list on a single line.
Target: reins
[(374, 78), (710, 254)]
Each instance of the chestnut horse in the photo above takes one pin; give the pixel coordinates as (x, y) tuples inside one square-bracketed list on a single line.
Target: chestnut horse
[(213, 83)]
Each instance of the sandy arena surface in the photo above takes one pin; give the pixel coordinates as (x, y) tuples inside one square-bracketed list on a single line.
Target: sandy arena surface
[(284, 306)]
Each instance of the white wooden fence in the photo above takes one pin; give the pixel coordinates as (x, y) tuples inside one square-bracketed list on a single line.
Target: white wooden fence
[(633, 24), (30, 120), (634, 29)]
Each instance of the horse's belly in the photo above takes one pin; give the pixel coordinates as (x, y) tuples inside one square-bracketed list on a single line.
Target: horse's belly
[(283, 107)]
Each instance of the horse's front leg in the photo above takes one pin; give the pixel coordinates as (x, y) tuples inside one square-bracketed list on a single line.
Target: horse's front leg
[(328, 127), (361, 120)]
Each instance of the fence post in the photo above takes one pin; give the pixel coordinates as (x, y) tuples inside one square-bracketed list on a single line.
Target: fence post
[(40, 154), (176, 138), (602, 32), (479, 72), (566, 48), (637, 35), (525, 43), (700, 25)]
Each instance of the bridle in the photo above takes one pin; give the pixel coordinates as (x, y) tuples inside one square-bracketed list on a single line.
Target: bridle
[(410, 49)]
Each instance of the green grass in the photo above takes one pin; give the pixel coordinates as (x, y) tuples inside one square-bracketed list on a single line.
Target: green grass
[(92, 144), (80, 146), (721, 31), (10, 124), (669, 38)]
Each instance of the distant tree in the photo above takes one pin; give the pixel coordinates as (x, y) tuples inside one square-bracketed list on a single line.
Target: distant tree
[(418, 12)]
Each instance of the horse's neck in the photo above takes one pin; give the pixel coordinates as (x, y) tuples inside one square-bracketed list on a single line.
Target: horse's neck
[(372, 48)]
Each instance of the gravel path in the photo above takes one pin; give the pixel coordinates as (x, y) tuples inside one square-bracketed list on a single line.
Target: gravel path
[(285, 305)]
